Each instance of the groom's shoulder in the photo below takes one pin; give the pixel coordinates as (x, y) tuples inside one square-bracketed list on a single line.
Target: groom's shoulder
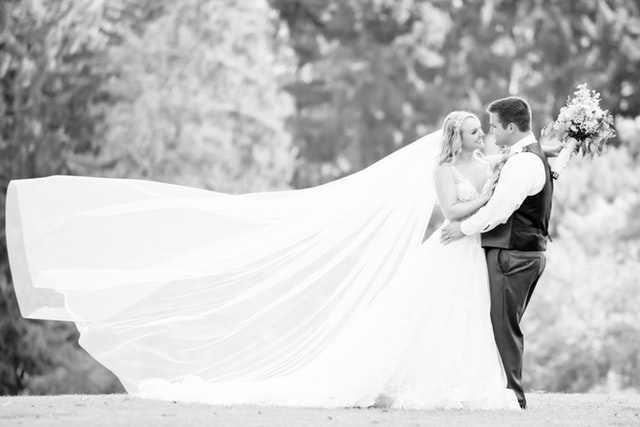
[(524, 159)]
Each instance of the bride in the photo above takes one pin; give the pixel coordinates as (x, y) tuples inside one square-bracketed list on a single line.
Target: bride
[(324, 297)]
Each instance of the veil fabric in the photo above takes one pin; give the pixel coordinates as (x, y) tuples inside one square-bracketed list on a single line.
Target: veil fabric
[(170, 285)]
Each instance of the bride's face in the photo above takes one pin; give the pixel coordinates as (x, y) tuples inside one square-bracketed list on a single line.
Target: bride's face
[(472, 134)]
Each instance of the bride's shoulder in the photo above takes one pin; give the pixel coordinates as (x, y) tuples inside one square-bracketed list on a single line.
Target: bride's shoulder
[(443, 168), (445, 171)]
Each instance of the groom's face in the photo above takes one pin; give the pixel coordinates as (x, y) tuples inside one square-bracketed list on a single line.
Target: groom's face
[(502, 135)]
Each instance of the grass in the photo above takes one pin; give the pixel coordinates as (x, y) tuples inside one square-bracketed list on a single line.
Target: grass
[(125, 410)]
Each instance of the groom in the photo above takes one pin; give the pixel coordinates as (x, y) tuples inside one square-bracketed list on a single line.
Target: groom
[(514, 226)]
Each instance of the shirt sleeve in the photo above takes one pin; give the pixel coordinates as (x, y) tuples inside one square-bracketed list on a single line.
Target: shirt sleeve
[(521, 176)]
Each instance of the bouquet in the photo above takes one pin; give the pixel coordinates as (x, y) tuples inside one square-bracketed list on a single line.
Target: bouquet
[(583, 125)]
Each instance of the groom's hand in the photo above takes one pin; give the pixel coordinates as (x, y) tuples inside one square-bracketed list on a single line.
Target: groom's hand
[(451, 232)]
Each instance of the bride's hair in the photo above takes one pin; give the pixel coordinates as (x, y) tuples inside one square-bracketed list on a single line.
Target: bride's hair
[(452, 136)]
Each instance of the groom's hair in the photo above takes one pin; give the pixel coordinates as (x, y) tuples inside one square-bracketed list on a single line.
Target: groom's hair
[(512, 109)]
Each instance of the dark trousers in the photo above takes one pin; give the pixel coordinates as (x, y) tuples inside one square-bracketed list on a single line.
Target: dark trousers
[(513, 276)]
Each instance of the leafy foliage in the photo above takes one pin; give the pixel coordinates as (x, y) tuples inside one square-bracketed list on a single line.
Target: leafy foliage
[(374, 75), (49, 76), (586, 309), (194, 102)]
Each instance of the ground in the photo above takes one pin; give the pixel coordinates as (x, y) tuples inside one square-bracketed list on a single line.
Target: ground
[(125, 410)]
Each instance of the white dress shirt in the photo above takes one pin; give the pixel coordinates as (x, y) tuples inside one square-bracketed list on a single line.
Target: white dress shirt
[(521, 176)]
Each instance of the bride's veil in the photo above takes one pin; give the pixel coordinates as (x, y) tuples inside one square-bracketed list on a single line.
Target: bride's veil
[(167, 281)]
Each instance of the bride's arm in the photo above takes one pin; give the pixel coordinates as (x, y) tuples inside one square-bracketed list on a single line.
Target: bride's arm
[(448, 195)]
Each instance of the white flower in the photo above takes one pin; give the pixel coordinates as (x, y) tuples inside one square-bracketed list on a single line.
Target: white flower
[(583, 118)]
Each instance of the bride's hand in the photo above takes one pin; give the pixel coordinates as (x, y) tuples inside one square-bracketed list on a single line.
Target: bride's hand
[(547, 134), (549, 142), (486, 195), (554, 150)]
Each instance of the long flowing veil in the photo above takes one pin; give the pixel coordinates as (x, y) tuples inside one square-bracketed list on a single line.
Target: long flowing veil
[(165, 281)]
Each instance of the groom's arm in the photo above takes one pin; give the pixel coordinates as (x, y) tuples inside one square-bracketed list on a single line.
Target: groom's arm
[(522, 175)]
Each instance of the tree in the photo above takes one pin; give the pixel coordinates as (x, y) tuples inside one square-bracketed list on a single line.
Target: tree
[(358, 91), (585, 312), (49, 77), (374, 75), (193, 102)]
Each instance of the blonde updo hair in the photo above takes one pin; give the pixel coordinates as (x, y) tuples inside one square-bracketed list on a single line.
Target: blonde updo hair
[(452, 136)]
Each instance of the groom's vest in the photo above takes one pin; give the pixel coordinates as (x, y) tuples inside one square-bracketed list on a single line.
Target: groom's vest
[(527, 228)]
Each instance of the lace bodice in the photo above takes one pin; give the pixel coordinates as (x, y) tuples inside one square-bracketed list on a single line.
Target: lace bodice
[(466, 190)]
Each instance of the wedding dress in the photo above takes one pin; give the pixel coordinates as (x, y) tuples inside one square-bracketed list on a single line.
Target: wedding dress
[(318, 297)]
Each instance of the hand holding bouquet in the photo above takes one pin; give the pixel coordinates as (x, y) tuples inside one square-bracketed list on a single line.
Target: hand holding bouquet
[(583, 126)]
